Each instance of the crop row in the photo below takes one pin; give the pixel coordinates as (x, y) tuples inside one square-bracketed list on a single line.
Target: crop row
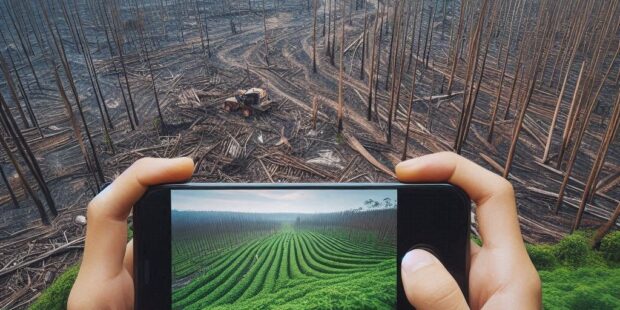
[(289, 260)]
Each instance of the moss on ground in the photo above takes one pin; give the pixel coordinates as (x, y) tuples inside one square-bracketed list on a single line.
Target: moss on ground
[(55, 296)]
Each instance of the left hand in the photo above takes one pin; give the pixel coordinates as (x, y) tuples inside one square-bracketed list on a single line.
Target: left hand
[(105, 279)]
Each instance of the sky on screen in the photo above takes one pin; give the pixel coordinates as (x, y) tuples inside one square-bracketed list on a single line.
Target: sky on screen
[(276, 201)]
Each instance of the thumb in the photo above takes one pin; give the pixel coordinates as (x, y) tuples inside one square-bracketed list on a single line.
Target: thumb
[(427, 283)]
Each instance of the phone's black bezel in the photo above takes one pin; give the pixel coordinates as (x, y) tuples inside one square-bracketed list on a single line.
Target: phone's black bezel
[(435, 217)]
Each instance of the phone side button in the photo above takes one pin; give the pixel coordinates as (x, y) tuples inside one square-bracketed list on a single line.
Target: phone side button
[(147, 271)]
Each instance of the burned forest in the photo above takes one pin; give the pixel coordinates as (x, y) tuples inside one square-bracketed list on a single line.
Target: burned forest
[(300, 91)]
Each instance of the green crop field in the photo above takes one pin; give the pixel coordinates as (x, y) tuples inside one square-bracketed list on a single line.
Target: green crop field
[(332, 262)]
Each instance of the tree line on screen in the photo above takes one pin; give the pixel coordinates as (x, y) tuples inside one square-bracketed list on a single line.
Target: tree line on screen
[(196, 234)]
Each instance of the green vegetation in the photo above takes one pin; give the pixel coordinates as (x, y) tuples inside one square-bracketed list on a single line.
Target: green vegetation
[(55, 297), (285, 261), (610, 247), (576, 277), (573, 250)]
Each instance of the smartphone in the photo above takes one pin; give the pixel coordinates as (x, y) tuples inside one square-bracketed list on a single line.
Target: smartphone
[(292, 246)]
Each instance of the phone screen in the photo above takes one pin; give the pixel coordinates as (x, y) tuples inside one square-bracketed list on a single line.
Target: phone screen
[(284, 249)]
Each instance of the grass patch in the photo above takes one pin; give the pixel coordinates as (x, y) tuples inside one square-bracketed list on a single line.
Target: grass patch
[(576, 277)]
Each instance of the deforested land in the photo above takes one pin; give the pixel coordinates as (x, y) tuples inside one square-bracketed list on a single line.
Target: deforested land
[(527, 88)]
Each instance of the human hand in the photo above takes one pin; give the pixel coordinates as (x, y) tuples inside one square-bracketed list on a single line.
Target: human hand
[(105, 279), (501, 274)]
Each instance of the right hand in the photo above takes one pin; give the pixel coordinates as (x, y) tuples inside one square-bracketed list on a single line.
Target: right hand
[(501, 274)]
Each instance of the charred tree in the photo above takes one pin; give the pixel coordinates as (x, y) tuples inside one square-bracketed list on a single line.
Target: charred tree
[(9, 188), (314, 9), (341, 74), (265, 32)]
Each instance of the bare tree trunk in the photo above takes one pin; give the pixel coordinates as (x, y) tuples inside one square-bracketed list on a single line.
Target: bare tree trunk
[(410, 111), (396, 31), (119, 47), (324, 16), (517, 129), (341, 74), (314, 9), (391, 59), (556, 113), (429, 33), (9, 188), (97, 172), (610, 134), (266, 39), (44, 218), (13, 92), (328, 51), (455, 56), (497, 100), (332, 54), (26, 53), (364, 42), (25, 151), (371, 79), (602, 231)]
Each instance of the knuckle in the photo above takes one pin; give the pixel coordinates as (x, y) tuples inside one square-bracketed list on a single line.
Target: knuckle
[(142, 162), (505, 187), (92, 210)]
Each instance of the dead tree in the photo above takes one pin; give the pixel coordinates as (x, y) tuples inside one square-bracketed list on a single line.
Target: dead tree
[(456, 50), (588, 106), (371, 74), (20, 84), (94, 80), (44, 218), (364, 42), (119, 47), (332, 54), (22, 147), (148, 62), (391, 59), (341, 74), (94, 167), (472, 64), (328, 51), (266, 39), (605, 228), (410, 110), (497, 99), (314, 9), (9, 188), (324, 16), (556, 113), (403, 51), (415, 19), (13, 92), (106, 23), (396, 31), (429, 33), (518, 124), (608, 138), (23, 45)]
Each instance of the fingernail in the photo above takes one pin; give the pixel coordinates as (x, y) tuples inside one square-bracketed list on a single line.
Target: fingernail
[(417, 259), (412, 162)]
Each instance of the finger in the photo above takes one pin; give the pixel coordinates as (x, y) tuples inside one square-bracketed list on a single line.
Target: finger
[(128, 260), (496, 210), (106, 232), (427, 283)]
